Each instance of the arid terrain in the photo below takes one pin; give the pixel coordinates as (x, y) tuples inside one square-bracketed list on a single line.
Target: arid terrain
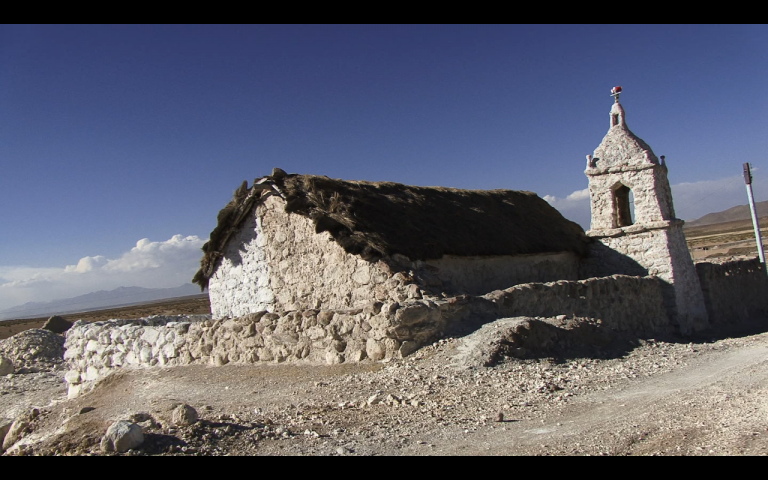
[(724, 239), (706, 395), (176, 306)]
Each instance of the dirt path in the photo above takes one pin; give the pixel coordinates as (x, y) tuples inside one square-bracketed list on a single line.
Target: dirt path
[(719, 405), (701, 398)]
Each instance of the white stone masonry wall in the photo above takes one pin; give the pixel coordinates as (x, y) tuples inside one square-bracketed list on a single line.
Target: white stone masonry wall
[(380, 331), (653, 200), (278, 263), (661, 252)]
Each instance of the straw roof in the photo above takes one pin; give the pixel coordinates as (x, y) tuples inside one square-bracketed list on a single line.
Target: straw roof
[(377, 219)]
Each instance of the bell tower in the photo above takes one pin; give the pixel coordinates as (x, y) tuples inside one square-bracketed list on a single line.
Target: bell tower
[(633, 216)]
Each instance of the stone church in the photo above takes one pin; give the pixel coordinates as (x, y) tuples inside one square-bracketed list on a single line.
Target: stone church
[(293, 242), (308, 268)]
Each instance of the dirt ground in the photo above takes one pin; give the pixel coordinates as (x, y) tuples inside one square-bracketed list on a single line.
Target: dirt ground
[(672, 396), (724, 239), (708, 396), (198, 304)]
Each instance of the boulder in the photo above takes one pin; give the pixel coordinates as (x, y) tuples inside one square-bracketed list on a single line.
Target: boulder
[(5, 426), (16, 432), (184, 415), (57, 324), (122, 436), (6, 366)]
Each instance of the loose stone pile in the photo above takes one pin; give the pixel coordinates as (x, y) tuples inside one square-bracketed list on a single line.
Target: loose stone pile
[(33, 350)]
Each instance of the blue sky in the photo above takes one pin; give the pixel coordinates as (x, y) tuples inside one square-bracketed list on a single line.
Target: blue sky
[(119, 144)]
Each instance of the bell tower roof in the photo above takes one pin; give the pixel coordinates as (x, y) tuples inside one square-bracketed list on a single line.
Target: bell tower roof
[(620, 147), (628, 185)]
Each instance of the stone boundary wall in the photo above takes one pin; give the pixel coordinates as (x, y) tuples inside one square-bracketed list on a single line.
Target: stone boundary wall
[(380, 331), (734, 291), (622, 303), (480, 275)]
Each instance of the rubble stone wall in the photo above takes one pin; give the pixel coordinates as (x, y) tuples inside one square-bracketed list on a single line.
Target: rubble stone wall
[(734, 291), (622, 303), (653, 249), (653, 200), (379, 331), (479, 275)]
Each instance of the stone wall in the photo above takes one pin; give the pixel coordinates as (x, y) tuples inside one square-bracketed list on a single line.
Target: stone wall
[(653, 199), (278, 262), (734, 291), (379, 331), (621, 303), (657, 249), (480, 275)]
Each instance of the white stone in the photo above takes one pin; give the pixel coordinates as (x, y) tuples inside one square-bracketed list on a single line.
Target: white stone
[(169, 351), (91, 374), (15, 432), (150, 335), (145, 355), (72, 377), (5, 426), (130, 358)]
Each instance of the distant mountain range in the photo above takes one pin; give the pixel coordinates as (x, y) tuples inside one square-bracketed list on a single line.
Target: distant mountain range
[(741, 212), (119, 297)]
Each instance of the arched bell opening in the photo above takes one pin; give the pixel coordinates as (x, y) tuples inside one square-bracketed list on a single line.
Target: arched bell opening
[(624, 206)]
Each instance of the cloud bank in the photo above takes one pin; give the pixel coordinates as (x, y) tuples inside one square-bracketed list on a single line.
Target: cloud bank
[(692, 200), (149, 264)]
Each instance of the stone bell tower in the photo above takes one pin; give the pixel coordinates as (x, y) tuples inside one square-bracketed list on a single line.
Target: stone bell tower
[(633, 216)]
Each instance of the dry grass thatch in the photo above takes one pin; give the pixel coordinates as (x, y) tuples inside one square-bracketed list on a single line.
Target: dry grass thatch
[(376, 219)]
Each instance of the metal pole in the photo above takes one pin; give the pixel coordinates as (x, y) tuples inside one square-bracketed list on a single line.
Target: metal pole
[(755, 222)]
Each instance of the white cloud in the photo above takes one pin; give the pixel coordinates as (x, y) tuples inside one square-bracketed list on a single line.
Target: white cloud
[(149, 264), (692, 199), (86, 264), (574, 207)]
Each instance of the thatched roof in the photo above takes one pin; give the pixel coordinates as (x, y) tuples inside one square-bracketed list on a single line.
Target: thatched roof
[(377, 219)]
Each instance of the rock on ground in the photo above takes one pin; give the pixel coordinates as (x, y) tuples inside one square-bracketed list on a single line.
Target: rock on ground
[(19, 428), (122, 436), (35, 350), (5, 426), (184, 415), (6, 366), (15, 433)]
